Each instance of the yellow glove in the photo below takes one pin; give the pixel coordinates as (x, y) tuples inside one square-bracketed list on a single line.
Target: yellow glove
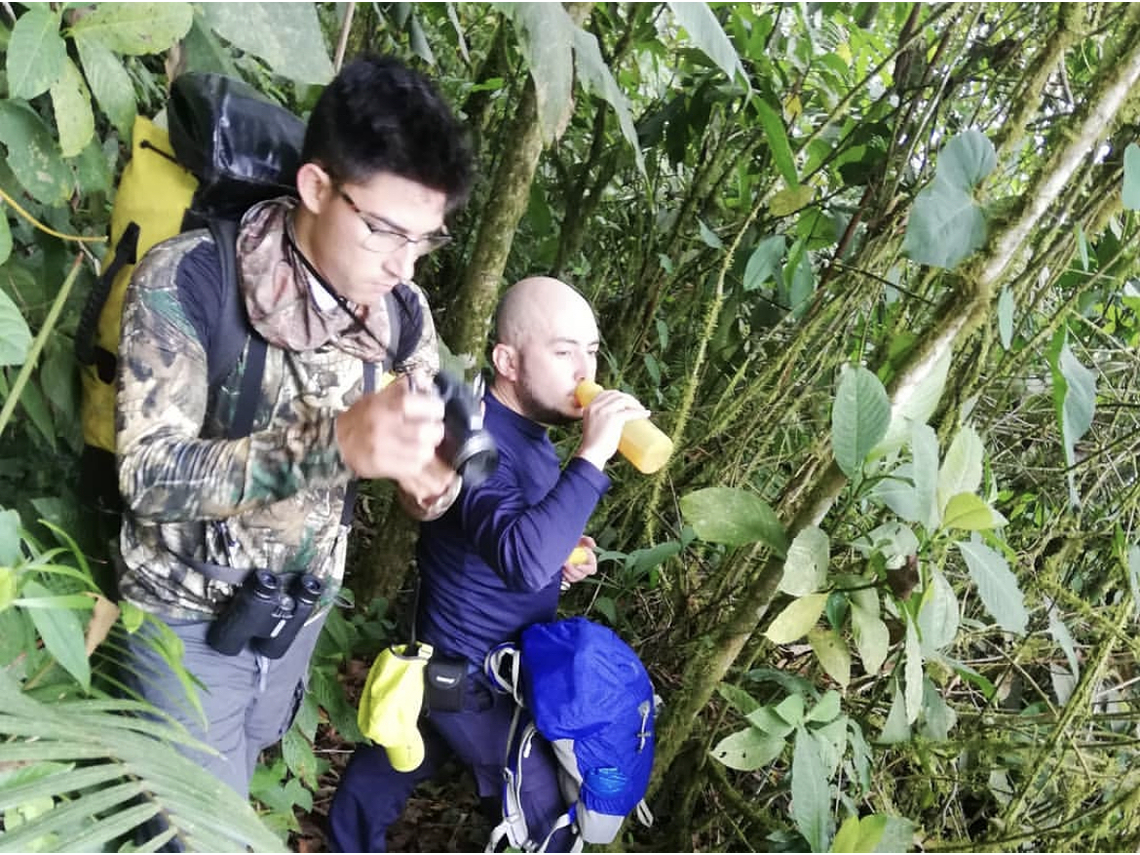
[(390, 704)]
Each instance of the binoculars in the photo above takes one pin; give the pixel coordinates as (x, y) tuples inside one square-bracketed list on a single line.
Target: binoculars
[(264, 615), (466, 446)]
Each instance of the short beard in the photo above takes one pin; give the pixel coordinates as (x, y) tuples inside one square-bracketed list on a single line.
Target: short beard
[(540, 413)]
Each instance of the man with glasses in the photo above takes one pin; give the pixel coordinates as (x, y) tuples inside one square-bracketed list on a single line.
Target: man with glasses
[(326, 281)]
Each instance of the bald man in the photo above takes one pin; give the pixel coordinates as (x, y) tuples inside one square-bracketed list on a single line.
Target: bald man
[(495, 562)]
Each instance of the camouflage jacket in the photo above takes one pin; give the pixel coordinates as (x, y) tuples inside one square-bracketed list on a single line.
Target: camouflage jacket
[(280, 491)]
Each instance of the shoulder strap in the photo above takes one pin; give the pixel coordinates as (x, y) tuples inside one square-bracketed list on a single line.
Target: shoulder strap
[(126, 252), (232, 330)]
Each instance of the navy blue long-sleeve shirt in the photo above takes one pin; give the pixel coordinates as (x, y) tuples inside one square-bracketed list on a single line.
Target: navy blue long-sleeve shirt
[(493, 563)]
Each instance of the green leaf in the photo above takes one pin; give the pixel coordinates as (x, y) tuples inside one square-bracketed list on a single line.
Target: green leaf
[(861, 834), (892, 540), (896, 493), (827, 709), (288, 36), (10, 554), (36, 52), (938, 614), (811, 792), (546, 34), (833, 655), (748, 750), (968, 511), (872, 638), (912, 673), (938, 718), (737, 698), (203, 51), (15, 337), (72, 105), (790, 199), (33, 154), (945, 226), (771, 722), (895, 729), (1132, 177), (597, 78), (137, 29), (708, 236), (110, 84), (5, 238), (1005, 316), (898, 836), (924, 455), (35, 405), (805, 569), (1074, 399), (967, 159), (791, 709), (1083, 246), (62, 634), (796, 619), (707, 34), (773, 127), (733, 517), (961, 471), (608, 608), (764, 262), (1065, 641), (997, 586), (859, 418), (915, 405)]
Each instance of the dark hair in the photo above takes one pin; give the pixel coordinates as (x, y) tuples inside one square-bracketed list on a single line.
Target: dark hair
[(379, 115)]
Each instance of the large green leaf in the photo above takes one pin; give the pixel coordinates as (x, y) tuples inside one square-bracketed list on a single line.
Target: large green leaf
[(797, 618), (36, 52), (764, 262), (33, 154), (945, 226), (707, 34), (924, 454), (938, 614), (805, 568), (72, 105), (1005, 317), (9, 537), (62, 633), (113, 743), (597, 78), (912, 674), (287, 36), (546, 34), (997, 586), (915, 405), (811, 791), (859, 418), (5, 237), (15, 337), (966, 159), (872, 638), (895, 729), (733, 517), (860, 834), (961, 470), (833, 655), (139, 28), (967, 511), (778, 143), (109, 82), (1132, 177), (748, 750), (1074, 397), (1134, 575)]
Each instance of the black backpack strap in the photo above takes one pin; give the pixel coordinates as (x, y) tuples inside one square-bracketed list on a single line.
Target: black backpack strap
[(350, 491), (230, 333), (126, 252)]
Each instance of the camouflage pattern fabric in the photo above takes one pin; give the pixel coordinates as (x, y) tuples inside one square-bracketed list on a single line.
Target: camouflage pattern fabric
[(279, 491)]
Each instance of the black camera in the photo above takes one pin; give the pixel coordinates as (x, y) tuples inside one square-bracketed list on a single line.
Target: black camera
[(264, 615), (466, 446)]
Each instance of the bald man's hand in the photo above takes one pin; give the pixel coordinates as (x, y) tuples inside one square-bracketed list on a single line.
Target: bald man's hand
[(393, 434), (602, 423)]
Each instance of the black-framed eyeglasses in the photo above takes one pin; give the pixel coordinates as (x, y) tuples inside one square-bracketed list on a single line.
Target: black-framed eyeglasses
[(386, 240)]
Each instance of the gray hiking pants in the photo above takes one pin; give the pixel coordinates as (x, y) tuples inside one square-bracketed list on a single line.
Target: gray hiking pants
[(249, 701)]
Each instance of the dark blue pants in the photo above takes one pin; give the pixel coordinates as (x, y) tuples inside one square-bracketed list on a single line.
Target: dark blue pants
[(372, 794)]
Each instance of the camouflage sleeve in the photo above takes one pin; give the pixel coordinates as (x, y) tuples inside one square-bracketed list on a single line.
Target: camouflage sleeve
[(167, 473), (425, 357)]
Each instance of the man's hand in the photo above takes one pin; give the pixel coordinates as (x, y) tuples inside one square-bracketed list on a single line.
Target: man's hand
[(602, 423), (419, 495), (579, 570), (393, 434)]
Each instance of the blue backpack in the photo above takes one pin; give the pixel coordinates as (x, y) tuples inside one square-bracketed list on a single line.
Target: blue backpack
[(585, 690)]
